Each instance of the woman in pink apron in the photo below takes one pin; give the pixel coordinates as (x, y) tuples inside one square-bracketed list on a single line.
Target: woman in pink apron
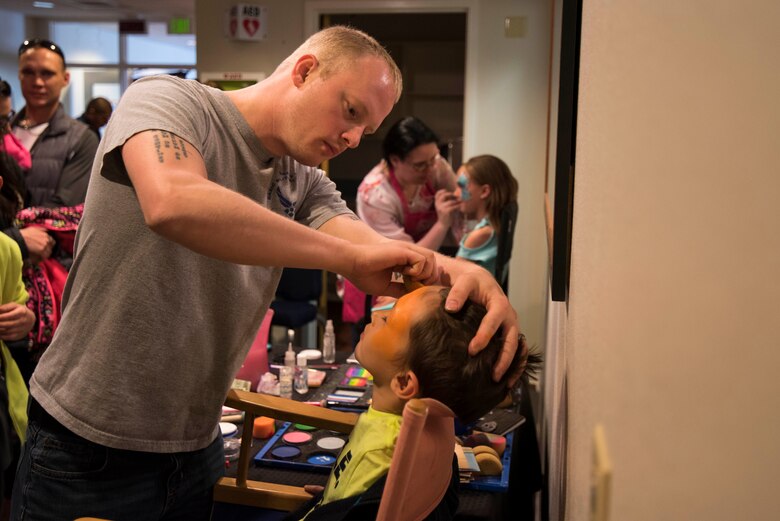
[(408, 196)]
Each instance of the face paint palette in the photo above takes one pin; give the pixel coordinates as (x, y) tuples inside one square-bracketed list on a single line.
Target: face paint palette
[(302, 447)]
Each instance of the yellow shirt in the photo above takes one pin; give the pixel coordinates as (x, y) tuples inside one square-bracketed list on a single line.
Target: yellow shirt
[(366, 457), (12, 290)]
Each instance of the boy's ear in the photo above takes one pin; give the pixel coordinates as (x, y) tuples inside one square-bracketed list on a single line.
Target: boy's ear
[(303, 67), (405, 385)]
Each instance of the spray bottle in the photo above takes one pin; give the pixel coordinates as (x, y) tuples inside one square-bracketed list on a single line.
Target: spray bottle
[(287, 371), (329, 344), (301, 375)]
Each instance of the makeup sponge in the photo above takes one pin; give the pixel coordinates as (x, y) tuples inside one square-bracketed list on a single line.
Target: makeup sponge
[(489, 464), (264, 427), (497, 442), (485, 438)]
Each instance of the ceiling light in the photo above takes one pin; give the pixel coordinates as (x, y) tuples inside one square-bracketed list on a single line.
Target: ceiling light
[(44, 5)]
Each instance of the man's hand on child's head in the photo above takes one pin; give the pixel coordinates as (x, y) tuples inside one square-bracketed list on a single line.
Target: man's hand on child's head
[(520, 369), (479, 285)]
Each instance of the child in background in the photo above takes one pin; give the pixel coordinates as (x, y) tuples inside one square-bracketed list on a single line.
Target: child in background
[(16, 320), (10, 144), (416, 349), (485, 186)]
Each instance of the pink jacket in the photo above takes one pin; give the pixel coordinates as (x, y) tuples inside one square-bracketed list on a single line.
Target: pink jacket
[(16, 150)]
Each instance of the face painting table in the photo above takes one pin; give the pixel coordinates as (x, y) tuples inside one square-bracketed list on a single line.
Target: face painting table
[(298, 455)]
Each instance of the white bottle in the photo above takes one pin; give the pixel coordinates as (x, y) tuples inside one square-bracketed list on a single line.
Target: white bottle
[(301, 375), (287, 373), (329, 344)]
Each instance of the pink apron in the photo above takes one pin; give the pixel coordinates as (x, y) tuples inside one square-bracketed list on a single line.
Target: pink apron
[(416, 224)]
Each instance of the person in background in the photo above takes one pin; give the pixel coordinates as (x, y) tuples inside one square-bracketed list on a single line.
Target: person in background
[(414, 350), (12, 192), (407, 196), (202, 197), (11, 145), (97, 114), (485, 186), (16, 320), (62, 148)]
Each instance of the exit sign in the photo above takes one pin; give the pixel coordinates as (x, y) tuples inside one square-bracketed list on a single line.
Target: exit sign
[(179, 26)]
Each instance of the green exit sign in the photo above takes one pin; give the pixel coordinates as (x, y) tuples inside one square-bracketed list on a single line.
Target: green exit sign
[(179, 26)]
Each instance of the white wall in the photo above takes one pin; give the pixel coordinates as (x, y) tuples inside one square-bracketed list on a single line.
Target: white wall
[(506, 115), (215, 52), (673, 327)]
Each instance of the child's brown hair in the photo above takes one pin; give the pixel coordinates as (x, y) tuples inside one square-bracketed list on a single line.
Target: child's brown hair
[(438, 355)]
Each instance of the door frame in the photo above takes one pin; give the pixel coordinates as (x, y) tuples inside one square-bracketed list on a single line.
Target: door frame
[(312, 9)]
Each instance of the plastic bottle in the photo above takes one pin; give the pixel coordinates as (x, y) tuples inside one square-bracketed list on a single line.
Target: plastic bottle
[(301, 375), (287, 371), (329, 344)]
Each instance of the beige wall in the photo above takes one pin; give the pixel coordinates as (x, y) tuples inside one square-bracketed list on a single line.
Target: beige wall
[(506, 102), (673, 327), (216, 52)]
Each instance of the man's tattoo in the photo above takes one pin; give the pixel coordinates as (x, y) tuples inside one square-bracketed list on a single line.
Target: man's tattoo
[(165, 140)]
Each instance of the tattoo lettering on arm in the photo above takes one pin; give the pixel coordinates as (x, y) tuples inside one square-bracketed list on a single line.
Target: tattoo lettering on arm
[(167, 145)]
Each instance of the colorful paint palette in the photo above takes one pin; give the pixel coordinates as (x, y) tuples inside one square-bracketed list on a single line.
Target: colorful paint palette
[(353, 382), (359, 372), (302, 447)]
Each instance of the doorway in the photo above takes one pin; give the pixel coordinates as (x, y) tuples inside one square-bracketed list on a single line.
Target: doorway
[(430, 50)]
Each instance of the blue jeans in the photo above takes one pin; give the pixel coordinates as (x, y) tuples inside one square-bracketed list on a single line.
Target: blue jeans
[(63, 476)]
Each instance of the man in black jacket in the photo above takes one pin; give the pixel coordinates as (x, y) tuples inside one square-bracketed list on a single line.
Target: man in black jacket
[(62, 148)]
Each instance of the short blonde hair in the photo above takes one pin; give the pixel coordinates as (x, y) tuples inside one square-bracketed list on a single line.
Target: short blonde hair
[(337, 47)]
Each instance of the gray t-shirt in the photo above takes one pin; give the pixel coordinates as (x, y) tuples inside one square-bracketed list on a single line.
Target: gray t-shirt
[(153, 333)]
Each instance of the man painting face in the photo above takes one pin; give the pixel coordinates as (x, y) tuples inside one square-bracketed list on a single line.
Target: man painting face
[(333, 112), (42, 76)]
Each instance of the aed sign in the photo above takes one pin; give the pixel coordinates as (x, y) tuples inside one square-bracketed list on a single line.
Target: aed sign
[(247, 22)]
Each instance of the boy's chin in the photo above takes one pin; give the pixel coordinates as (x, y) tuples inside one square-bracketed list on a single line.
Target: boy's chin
[(358, 347)]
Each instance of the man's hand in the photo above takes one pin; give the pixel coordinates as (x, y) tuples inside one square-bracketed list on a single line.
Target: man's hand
[(16, 320), (39, 242), (373, 266), (469, 281)]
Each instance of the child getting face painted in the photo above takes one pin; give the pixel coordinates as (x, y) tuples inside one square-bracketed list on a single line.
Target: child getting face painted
[(485, 186), (415, 349)]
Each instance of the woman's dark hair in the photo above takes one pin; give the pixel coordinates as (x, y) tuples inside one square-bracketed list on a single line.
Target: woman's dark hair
[(5, 88), (12, 192), (406, 135), (438, 355)]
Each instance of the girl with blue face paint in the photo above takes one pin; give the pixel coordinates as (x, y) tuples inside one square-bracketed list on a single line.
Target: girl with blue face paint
[(485, 186), (463, 185)]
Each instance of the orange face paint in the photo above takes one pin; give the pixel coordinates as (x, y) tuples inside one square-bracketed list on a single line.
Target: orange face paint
[(385, 339)]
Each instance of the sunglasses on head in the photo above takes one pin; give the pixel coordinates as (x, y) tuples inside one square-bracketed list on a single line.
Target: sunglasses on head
[(39, 43)]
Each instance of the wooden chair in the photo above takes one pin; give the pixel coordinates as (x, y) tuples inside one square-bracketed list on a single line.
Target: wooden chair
[(420, 470)]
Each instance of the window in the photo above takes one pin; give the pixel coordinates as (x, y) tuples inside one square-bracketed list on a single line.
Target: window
[(97, 67)]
